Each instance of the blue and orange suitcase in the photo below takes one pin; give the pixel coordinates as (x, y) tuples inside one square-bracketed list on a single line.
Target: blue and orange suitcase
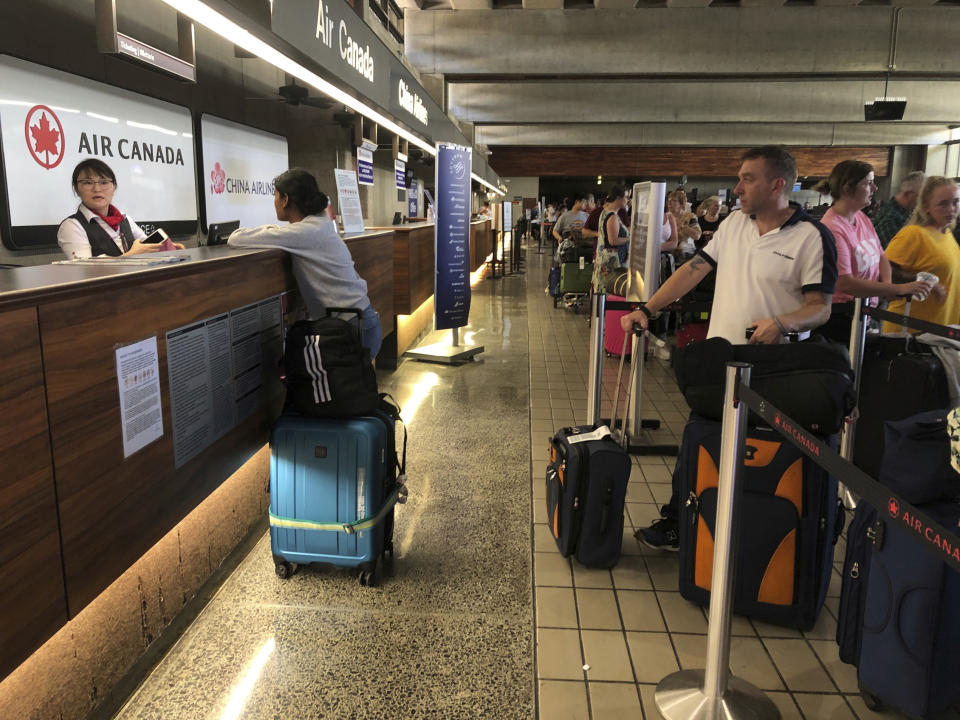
[(788, 525), (333, 487)]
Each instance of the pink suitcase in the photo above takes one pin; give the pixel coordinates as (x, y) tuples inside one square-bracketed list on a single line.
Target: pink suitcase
[(612, 332)]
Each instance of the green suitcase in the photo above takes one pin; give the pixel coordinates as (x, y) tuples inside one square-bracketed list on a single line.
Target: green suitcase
[(575, 280)]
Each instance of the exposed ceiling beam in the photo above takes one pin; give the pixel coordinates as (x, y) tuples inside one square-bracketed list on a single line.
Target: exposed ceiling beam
[(472, 4), (665, 162), (757, 101), (713, 134), (802, 40)]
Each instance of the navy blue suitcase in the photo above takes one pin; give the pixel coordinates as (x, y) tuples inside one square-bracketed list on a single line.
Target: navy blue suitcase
[(586, 491), (910, 646), (333, 487), (788, 525)]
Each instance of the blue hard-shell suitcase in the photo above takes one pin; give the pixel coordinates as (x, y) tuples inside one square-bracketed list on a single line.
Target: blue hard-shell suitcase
[(333, 485), (909, 657)]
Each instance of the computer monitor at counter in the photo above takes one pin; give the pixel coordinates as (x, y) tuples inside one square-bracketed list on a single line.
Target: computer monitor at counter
[(218, 233)]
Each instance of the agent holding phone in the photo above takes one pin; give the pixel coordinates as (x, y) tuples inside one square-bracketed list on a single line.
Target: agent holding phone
[(98, 227)]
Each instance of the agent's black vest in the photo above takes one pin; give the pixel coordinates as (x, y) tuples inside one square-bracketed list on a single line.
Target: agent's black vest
[(100, 242)]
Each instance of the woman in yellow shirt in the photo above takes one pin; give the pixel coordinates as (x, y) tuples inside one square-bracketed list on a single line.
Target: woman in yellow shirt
[(927, 244)]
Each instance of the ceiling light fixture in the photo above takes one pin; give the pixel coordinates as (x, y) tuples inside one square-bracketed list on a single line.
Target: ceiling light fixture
[(203, 14), (224, 27)]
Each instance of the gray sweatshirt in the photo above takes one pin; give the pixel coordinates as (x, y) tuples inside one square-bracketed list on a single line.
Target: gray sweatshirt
[(322, 264)]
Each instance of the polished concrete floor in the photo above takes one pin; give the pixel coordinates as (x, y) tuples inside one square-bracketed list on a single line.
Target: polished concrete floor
[(479, 616)]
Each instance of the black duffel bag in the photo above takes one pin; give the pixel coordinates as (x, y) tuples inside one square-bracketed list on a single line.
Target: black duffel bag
[(810, 381), (328, 370), (916, 459)]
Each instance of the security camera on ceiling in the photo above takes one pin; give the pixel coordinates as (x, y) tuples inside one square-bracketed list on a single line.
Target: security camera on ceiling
[(884, 108)]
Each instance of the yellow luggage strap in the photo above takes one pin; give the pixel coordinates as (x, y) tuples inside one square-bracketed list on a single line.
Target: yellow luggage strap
[(399, 495)]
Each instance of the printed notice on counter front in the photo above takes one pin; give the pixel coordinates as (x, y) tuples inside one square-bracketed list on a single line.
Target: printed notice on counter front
[(138, 375), (216, 368)]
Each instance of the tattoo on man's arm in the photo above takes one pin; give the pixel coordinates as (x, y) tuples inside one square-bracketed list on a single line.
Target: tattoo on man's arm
[(697, 262)]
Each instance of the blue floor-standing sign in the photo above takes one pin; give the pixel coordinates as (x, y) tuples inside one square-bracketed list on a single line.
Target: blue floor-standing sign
[(452, 237)]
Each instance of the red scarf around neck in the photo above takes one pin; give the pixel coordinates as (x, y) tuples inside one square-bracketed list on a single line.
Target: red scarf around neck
[(113, 218)]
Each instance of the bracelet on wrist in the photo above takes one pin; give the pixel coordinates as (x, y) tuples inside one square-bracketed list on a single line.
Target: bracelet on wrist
[(780, 327), (646, 311)]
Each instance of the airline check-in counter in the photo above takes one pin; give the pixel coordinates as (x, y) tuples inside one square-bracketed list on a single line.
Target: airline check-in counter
[(131, 395)]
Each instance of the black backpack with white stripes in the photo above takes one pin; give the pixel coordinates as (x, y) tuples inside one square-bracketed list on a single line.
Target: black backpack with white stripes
[(328, 370)]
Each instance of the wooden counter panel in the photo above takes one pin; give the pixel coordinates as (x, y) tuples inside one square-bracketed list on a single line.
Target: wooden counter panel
[(373, 259), (32, 603), (112, 510), (413, 268), (480, 243)]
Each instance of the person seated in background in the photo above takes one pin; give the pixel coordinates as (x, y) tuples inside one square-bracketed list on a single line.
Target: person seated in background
[(862, 269), (98, 228), (896, 213), (926, 244), (776, 272), (322, 264)]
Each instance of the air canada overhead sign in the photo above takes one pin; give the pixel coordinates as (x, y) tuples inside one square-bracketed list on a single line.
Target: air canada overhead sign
[(353, 53), (51, 120), (332, 34)]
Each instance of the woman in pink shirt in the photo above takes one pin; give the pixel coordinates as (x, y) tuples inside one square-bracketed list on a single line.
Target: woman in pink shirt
[(862, 269)]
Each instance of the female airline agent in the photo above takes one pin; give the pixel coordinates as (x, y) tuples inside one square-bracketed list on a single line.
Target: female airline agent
[(98, 227)]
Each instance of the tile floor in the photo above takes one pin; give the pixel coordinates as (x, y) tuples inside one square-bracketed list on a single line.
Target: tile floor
[(479, 616), (605, 638)]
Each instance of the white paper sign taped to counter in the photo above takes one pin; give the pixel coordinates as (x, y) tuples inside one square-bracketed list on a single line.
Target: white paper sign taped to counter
[(138, 377)]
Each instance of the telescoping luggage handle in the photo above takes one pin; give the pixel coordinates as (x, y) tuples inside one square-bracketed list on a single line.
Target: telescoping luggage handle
[(399, 495), (350, 311), (622, 438)]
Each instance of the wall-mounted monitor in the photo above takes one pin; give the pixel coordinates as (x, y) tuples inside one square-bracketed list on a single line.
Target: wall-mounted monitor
[(239, 164), (50, 120)]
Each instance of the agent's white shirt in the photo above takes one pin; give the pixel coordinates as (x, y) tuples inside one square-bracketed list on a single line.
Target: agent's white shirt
[(73, 240)]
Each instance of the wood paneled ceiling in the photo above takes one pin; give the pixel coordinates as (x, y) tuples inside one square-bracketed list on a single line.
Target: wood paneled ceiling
[(525, 161)]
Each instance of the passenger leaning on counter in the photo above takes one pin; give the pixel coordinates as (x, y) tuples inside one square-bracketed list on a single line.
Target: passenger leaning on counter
[(98, 227), (322, 264)]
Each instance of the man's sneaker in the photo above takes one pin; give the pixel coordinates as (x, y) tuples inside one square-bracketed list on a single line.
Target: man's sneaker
[(662, 535)]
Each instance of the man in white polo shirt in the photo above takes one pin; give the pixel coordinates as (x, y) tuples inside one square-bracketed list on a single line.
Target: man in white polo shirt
[(776, 271)]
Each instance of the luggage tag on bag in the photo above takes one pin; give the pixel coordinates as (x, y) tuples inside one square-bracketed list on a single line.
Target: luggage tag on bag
[(583, 262), (599, 434)]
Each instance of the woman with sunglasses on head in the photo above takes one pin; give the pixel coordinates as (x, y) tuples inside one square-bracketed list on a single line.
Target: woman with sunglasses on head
[(98, 227)]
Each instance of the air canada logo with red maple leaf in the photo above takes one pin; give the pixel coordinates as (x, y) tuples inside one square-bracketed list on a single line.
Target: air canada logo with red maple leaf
[(218, 177), (893, 507), (44, 136)]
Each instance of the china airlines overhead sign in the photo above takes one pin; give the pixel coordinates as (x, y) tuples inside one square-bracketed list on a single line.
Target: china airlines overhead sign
[(239, 164), (51, 120)]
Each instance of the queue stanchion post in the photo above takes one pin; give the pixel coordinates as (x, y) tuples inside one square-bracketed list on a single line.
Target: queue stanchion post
[(858, 335), (597, 308), (714, 693)]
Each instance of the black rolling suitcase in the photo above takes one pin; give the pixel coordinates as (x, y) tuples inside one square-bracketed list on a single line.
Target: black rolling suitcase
[(898, 378), (788, 525), (587, 478)]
